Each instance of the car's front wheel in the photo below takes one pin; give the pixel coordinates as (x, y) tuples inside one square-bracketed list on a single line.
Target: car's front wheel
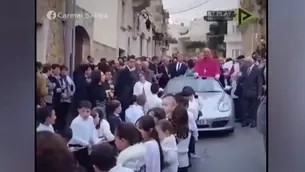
[(230, 131)]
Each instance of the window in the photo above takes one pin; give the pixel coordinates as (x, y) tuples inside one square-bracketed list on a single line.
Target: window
[(141, 46), (128, 46), (237, 51), (134, 21), (123, 13)]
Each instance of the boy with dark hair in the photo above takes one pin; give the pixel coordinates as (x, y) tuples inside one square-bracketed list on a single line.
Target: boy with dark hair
[(83, 126), (134, 111), (103, 158), (83, 130), (46, 118)]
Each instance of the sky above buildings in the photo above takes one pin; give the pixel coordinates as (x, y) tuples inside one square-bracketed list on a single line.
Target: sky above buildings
[(175, 6)]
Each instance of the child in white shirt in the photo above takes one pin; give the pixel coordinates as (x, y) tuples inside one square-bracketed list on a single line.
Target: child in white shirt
[(180, 126), (168, 144), (103, 158), (153, 100), (83, 127), (134, 111), (154, 159), (46, 118), (102, 127)]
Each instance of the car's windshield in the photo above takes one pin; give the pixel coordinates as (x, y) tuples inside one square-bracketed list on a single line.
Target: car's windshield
[(199, 85)]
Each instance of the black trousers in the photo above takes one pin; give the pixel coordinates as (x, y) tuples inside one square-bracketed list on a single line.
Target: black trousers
[(183, 169), (249, 106), (192, 145), (237, 109), (61, 116), (83, 158), (191, 149)]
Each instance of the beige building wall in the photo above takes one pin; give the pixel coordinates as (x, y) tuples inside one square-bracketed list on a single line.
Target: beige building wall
[(252, 31), (50, 34), (106, 35), (101, 50)]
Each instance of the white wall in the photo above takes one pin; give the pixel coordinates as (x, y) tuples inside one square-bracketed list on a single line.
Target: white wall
[(233, 40), (198, 30), (104, 31), (233, 50), (42, 34)]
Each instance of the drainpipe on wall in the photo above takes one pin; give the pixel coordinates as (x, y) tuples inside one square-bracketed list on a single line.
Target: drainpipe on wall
[(72, 57), (118, 28), (68, 35)]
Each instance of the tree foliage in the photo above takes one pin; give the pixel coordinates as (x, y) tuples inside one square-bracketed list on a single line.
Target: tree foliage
[(216, 34)]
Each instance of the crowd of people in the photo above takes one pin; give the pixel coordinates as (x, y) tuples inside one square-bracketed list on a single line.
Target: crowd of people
[(111, 117)]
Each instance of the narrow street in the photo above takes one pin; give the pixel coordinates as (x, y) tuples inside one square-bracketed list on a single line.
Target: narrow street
[(242, 151)]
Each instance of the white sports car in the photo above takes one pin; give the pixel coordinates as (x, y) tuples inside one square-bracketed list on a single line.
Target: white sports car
[(217, 111)]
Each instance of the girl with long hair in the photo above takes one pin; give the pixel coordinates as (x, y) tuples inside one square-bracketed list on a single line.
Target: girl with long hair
[(132, 151), (154, 159), (183, 136)]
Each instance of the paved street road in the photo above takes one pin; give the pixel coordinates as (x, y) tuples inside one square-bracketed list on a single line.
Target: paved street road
[(242, 151)]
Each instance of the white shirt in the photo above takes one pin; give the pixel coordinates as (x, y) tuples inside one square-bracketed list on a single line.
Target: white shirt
[(119, 168), (42, 127), (183, 149), (83, 131), (152, 102), (234, 77), (152, 156), (138, 88), (133, 113), (178, 66), (250, 69), (104, 132), (192, 125), (170, 151), (133, 157), (195, 105)]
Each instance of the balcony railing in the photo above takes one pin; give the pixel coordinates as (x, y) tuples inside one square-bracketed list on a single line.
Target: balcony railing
[(233, 38), (139, 5)]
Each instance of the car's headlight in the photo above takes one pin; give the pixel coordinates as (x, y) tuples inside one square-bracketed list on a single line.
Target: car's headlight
[(223, 107)]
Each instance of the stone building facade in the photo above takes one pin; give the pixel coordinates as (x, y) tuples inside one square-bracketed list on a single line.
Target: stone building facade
[(254, 32), (124, 32)]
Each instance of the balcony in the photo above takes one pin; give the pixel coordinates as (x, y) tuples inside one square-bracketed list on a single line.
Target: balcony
[(233, 38), (139, 5)]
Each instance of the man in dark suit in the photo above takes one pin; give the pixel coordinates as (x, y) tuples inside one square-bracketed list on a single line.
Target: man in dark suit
[(251, 82), (123, 89), (178, 68), (164, 74), (154, 64)]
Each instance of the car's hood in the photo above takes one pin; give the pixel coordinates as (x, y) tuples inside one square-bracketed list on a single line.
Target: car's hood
[(211, 103)]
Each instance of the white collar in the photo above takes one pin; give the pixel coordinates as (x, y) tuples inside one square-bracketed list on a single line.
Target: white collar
[(132, 152), (135, 105), (129, 68), (252, 66), (43, 125)]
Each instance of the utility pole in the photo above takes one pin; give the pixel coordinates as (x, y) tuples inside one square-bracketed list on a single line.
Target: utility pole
[(68, 38)]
